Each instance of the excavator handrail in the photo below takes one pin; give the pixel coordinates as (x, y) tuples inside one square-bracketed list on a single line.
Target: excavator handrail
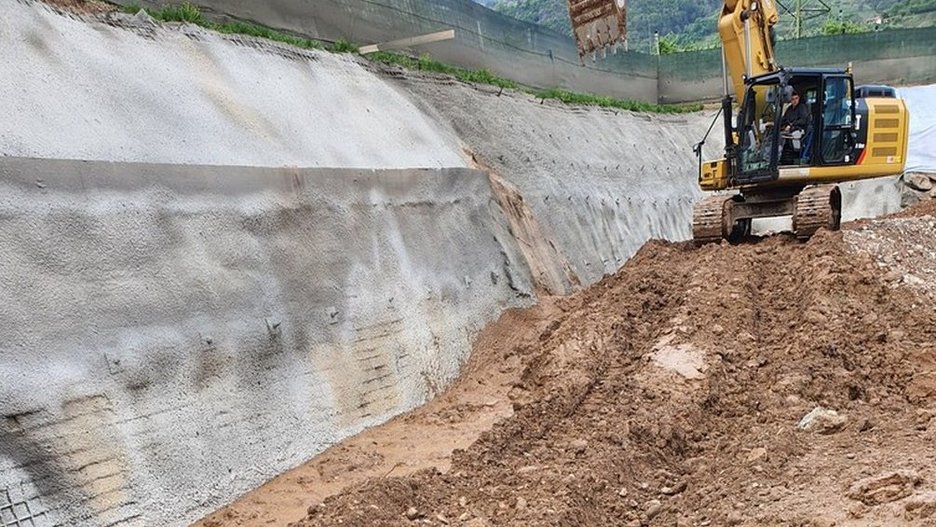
[(697, 148)]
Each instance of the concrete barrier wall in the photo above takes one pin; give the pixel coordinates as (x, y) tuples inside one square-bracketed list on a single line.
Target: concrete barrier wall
[(897, 57), (521, 51), (691, 76), (912, 50), (174, 336), (539, 57)]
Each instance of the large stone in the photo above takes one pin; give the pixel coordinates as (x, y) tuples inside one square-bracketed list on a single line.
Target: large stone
[(918, 181), (910, 197), (884, 488), (822, 421)]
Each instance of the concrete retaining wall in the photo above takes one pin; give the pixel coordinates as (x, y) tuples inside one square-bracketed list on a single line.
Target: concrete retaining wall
[(897, 57), (540, 57), (174, 336), (524, 52)]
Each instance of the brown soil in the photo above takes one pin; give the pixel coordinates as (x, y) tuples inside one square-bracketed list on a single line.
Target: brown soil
[(923, 208), (83, 6), (668, 394), (424, 438)]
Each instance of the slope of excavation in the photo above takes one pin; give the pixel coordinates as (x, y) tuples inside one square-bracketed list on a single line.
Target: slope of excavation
[(771, 383)]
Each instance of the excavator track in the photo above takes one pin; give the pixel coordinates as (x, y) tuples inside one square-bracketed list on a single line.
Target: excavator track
[(729, 218), (815, 208), (708, 219)]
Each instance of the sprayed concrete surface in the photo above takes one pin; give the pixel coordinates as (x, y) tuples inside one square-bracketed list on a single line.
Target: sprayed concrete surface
[(600, 182), (78, 90), (174, 334), (174, 338)]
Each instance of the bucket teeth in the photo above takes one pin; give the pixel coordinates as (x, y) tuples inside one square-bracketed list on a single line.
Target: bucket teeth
[(598, 24)]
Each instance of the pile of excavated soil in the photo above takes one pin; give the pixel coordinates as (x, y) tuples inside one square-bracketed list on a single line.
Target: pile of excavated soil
[(904, 247), (923, 208), (774, 383)]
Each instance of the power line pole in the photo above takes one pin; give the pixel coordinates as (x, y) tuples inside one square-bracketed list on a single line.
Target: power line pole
[(799, 18), (802, 11)]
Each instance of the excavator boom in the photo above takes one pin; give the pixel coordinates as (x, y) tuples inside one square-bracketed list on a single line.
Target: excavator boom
[(746, 28)]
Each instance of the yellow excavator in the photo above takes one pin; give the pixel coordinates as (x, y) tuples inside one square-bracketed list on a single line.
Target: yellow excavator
[(773, 164)]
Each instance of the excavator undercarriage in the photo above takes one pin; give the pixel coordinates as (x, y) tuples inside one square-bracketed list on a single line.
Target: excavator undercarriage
[(730, 216)]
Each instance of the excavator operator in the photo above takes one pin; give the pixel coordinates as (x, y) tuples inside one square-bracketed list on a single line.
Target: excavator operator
[(796, 116), (795, 125)]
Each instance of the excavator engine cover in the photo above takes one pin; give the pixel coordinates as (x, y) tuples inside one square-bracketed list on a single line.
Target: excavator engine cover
[(598, 24)]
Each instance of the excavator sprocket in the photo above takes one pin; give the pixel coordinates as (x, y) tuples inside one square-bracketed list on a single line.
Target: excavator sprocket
[(708, 219), (815, 208)]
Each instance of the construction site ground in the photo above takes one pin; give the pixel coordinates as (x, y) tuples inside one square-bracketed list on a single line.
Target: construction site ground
[(197, 274), (772, 382)]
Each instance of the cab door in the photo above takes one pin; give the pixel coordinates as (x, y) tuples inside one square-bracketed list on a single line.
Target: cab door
[(837, 137), (759, 134)]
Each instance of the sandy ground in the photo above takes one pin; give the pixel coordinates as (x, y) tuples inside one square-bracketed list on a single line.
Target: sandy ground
[(424, 439), (768, 383)]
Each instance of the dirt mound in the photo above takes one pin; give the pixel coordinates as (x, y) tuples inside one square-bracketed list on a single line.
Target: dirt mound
[(922, 208), (776, 383), (903, 247)]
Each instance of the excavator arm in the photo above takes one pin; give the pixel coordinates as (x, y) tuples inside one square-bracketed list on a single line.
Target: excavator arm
[(746, 28)]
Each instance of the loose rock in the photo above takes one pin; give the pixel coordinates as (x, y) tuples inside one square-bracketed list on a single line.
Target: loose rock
[(884, 488), (822, 421)]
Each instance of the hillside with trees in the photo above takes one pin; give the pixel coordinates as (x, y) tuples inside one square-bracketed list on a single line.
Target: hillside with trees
[(690, 24)]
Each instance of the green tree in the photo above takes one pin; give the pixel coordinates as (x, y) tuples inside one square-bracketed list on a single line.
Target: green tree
[(668, 44), (842, 27), (693, 23)]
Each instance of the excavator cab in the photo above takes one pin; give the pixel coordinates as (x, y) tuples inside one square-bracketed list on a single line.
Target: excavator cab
[(823, 134), (784, 161)]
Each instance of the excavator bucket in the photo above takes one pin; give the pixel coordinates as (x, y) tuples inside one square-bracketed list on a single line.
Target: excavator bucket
[(598, 24)]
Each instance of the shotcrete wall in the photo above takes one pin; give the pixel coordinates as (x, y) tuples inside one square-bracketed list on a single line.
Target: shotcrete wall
[(599, 182), (173, 336), (118, 89)]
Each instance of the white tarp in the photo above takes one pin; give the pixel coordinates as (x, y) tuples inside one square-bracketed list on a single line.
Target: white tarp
[(921, 152)]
